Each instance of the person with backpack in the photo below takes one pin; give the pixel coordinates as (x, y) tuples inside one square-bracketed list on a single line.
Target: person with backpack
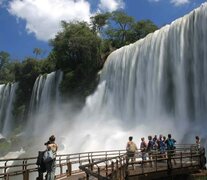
[(131, 149), (170, 148), (50, 158), (143, 148)]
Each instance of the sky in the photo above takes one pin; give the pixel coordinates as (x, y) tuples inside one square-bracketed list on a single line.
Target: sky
[(29, 24)]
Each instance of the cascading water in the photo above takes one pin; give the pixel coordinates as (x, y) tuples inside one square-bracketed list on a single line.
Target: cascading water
[(45, 102), (156, 85), (7, 97)]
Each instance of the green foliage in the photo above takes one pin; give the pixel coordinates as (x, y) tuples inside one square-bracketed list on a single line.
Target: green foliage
[(99, 21), (142, 28), (121, 29), (119, 33), (37, 51), (77, 52), (4, 59), (75, 44), (6, 68)]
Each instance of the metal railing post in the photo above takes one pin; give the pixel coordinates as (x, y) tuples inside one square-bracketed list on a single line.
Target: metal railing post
[(5, 168), (69, 169), (26, 175), (112, 169), (181, 159), (156, 162), (117, 170), (106, 168)]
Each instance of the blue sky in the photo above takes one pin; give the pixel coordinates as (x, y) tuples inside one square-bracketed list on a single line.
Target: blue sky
[(27, 24)]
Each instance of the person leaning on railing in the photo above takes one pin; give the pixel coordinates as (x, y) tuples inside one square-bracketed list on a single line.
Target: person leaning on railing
[(170, 148)]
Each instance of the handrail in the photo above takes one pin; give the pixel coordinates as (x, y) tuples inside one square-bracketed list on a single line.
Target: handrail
[(183, 153), (67, 164)]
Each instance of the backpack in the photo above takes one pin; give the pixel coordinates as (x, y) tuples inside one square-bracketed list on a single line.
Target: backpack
[(132, 147), (48, 156), (171, 144), (40, 162)]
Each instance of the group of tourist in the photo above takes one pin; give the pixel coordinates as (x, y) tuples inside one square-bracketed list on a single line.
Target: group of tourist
[(161, 145)]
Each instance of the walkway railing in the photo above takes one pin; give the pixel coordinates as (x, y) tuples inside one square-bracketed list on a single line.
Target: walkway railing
[(105, 165), (186, 157), (67, 164)]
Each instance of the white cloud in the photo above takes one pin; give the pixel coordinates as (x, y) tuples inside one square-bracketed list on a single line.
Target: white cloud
[(174, 2), (110, 5), (1, 2), (43, 16), (179, 2), (153, 0)]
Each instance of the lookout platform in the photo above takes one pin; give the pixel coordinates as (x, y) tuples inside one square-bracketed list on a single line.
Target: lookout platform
[(111, 165)]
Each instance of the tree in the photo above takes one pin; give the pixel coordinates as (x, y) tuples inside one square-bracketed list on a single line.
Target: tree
[(142, 28), (75, 44), (37, 51), (119, 28), (4, 59), (99, 21), (77, 52)]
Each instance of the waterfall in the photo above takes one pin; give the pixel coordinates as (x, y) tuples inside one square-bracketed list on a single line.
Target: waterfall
[(162, 74), (155, 86), (7, 97), (45, 101)]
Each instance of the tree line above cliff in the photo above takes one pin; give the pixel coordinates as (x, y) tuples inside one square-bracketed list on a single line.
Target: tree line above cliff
[(79, 50)]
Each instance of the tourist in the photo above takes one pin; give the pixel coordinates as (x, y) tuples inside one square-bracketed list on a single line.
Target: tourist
[(161, 145), (170, 149), (155, 143), (51, 165), (131, 149), (165, 145), (143, 148), (198, 142), (150, 149)]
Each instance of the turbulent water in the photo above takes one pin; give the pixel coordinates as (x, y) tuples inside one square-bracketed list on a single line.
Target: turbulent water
[(154, 86), (7, 97)]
